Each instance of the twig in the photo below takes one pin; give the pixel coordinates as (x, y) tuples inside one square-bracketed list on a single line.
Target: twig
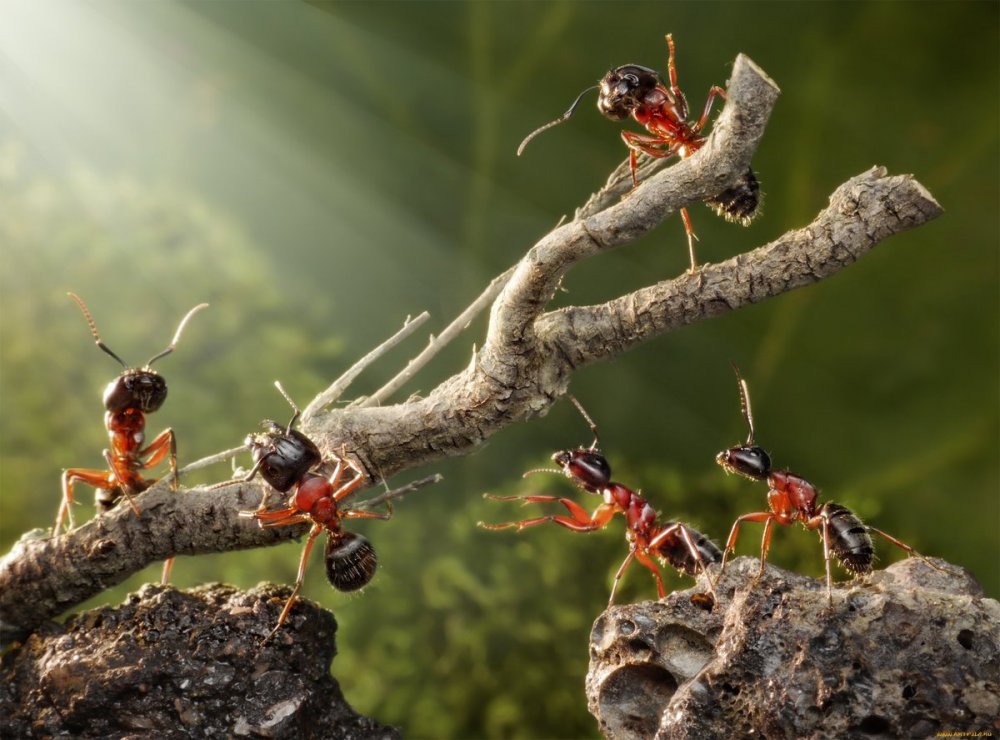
[(438, 343), (401, 491), (338, 386), (211, 460)]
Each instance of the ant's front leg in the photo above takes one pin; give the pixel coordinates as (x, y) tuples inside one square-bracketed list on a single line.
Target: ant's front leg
[(578, 521), (164, 444), (761, 516)]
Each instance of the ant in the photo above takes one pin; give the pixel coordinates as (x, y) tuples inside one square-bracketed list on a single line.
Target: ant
[(791, 499), (677, 544), (286, 458), (127, 400), (637, 91)]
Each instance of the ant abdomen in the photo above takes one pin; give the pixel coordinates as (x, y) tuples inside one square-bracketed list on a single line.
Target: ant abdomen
[(849, 539), (350, 560), (740, 203), (676, 552)]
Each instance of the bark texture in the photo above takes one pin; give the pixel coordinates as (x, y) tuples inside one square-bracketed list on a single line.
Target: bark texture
[(912, 652)]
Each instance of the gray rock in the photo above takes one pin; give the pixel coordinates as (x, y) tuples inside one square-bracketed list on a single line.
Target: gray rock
[(908, 652)]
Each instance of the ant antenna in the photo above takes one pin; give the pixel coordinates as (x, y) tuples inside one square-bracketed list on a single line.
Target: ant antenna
[(93, 328), (586, 416), (565, 116), (745, 404), (295, 416), (177, 336)]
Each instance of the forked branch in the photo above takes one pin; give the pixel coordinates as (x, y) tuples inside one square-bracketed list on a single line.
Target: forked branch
[(525, 362)]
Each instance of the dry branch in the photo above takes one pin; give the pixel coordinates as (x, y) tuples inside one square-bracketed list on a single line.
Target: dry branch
[(524, 365)]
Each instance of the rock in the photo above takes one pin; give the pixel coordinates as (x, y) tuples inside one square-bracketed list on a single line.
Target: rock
[(170, 663), (908, 652)]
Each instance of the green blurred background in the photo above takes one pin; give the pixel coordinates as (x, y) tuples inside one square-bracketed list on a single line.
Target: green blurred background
[(318, 172)]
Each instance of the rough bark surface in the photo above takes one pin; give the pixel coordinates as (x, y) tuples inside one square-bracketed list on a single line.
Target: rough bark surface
[(175, 664), (910, 652)]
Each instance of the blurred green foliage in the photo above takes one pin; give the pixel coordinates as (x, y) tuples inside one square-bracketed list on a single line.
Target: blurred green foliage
[(317, 172)]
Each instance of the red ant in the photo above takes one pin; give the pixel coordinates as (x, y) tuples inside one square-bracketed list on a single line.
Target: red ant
[(127, 399), (793, 499), (677, 544), (663, 111), (286, 458)]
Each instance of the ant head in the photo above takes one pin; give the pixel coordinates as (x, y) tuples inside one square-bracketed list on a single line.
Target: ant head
[(282, 456), (136, 388), (622, 90), (749, 461), (144, 389), (586, 467), (350, 560)]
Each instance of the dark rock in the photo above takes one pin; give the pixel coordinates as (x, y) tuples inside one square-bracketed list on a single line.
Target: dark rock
[(175, 664), (908, 652)]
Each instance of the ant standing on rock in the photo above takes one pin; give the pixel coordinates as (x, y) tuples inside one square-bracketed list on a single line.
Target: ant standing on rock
[(287, 459), (637, 91), (793, 499), (671, 542)]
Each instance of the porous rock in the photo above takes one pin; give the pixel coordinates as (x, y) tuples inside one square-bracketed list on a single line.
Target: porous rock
[(907, 652), (175, 664)]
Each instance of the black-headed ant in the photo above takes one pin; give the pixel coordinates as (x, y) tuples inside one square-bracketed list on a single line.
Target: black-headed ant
[(636, 91), (677, 544), (791, 499), (127, 399), (286, 459)]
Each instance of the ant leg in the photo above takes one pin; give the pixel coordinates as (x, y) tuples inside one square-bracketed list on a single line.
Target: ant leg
[(692, 238), (826, 557), (618, 576), (358, 481), (675, 89), (96, 478), (761, 516), (643, 557), (765, 545), (358, 514), (713, 93), (686, 535), (909, 550), (158, 449), (168, 565), (299, 580), (124, 486), (578, 521)]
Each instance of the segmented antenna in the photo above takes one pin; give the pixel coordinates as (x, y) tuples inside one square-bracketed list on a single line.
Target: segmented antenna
[(565, 116), (295, 416), (586, 416), (93, 328), (177, 335), (745, 404)]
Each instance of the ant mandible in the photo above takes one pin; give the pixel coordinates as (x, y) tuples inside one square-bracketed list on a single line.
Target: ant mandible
[(791, 499), (637, 91), (286, 458), (677, 544), (127, 400)]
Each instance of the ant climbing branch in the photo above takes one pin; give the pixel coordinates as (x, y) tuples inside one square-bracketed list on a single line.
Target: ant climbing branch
[(521, 368)]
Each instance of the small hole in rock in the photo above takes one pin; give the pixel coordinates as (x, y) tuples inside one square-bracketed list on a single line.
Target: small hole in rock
[(965, 639), (874, 725), (909, 692)]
